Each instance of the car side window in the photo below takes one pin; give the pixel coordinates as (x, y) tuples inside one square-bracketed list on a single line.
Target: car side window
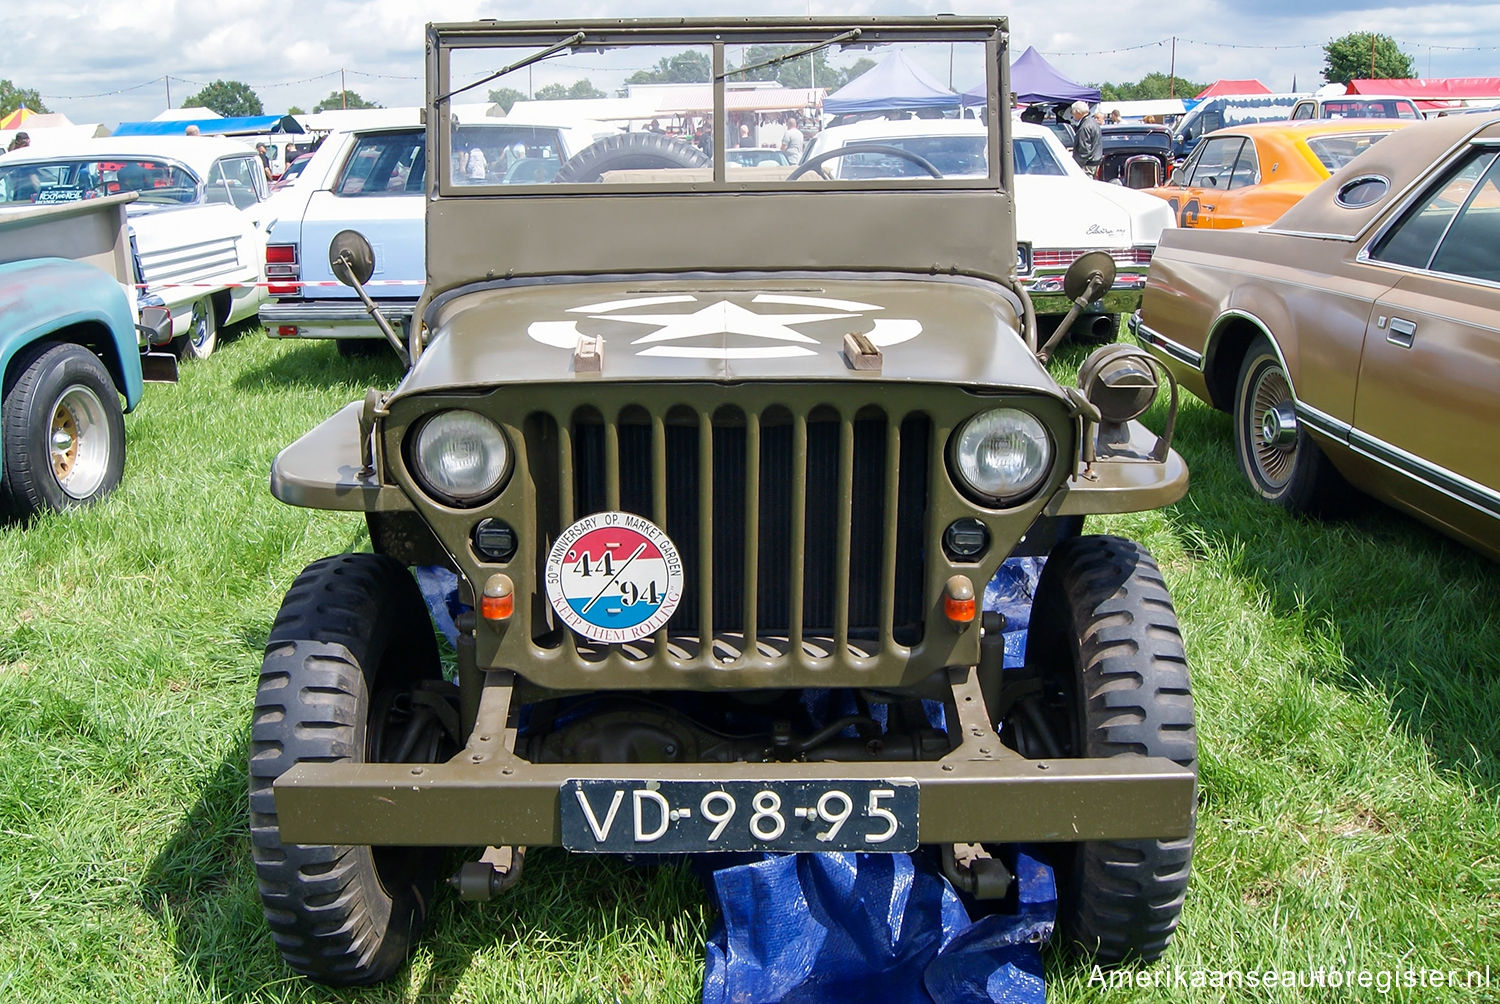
[(1246, 167), (1216, 162), (384, 163), (1303, 110), (236, 181), (1456, 228)]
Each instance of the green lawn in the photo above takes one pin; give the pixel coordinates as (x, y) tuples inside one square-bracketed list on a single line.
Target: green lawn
[(1347, 680)]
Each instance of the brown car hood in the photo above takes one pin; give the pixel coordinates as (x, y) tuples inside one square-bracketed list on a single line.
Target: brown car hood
[(728, 330)]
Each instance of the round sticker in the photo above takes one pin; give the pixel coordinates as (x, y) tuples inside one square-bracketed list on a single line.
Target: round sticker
[(614, 577)]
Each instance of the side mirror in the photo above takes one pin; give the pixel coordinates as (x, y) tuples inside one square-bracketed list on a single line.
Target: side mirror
[(351, 258), (1089, 277), (1086, 281)]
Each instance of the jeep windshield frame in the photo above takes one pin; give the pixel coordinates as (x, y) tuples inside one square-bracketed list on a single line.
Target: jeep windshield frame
[(461, 48)]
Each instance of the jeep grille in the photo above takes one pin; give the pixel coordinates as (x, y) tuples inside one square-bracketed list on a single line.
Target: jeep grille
[(795, 529)]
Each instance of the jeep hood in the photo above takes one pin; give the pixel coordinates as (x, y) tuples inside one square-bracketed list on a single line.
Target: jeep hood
[(711, 328)]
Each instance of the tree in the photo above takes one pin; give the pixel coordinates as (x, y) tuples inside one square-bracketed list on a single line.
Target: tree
[(690, 67), (295, 110), (804, 71), (13, 97), (1351, 58), (343, 99), (1151, 87), (229, 98), (506, 97), (579, 89)]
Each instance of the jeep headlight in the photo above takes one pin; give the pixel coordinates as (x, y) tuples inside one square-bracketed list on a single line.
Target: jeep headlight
[(1000, 456), (460, 457)]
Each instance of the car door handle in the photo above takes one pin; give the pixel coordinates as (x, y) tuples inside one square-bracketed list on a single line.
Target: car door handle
[(1207, 208), (1402, 332)]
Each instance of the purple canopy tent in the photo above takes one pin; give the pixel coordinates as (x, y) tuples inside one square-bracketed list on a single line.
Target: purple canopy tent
[(1034, 80), (894, 83)]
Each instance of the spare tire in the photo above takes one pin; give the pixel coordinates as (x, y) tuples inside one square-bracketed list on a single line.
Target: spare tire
[(630, 151)]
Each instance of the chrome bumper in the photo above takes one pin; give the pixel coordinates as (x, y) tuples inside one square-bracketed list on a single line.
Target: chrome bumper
[(330, 318)]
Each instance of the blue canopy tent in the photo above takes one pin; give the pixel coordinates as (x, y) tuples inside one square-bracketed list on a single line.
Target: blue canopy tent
[(1033, 80), (893, 84), (245, 125)]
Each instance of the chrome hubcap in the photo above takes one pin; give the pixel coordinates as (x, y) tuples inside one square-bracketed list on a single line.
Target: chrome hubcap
[(1278, 426), (1273, 443), (79, 442)]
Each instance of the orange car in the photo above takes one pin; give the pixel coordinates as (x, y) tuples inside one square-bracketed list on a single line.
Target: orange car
[(1242, 176)]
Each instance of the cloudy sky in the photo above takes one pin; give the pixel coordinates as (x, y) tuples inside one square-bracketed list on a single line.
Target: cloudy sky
[(110, 61)]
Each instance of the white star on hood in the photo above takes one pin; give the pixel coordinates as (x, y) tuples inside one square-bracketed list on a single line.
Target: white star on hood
[(723, 318)]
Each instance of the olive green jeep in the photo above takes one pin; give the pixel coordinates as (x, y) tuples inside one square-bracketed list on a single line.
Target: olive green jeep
[(699, 437)]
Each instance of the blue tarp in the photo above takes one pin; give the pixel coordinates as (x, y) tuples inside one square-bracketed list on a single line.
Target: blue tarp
[(246, 125), (893, 84), (830, 928), (1033, 79)]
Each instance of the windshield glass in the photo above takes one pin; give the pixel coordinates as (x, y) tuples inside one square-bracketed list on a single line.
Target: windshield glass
[(70, 180), (614, 111)]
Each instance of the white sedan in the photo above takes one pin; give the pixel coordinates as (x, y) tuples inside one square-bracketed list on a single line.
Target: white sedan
[(373, 180), (198, 223), (1061, 212)]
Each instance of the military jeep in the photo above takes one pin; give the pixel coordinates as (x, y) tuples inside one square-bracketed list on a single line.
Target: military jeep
[(699, 441)]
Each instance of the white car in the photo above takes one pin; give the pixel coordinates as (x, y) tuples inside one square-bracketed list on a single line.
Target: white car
[(1061, 212), (198, 223), (372, 180)]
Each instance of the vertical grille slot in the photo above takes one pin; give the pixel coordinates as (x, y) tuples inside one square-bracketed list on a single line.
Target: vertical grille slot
[(793, 527)]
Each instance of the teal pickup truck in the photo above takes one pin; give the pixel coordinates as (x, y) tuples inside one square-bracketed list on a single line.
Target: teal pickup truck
[(70, 349)]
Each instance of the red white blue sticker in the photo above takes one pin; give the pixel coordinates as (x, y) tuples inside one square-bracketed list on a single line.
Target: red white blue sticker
[(614, 577)]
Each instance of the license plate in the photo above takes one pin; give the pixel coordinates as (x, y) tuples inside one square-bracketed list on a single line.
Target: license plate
[(659, 817), (1023, 259)]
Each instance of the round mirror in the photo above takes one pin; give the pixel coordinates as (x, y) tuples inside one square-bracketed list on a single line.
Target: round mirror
[(349, 248)]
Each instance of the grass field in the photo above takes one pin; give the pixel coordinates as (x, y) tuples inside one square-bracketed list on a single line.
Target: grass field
[(1347, 680)]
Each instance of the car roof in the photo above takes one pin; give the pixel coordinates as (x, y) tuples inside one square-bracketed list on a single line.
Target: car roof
[(894, 128), (1405, 158), (198, 152), (1303, 128)]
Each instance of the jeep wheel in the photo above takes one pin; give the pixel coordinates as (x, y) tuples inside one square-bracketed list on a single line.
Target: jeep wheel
[(64, 431), (1275, 452), (351, 644), (631, 151), (1103, 622)]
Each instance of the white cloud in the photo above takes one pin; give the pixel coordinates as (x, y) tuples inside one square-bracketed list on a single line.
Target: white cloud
[(103, 60)]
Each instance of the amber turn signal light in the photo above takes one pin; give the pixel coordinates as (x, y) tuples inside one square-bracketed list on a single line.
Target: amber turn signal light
[(958, 600), (499, 599)]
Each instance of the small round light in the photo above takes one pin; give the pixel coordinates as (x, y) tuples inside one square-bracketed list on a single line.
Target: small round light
[(460, 457), (966, 539), (1001, 455)]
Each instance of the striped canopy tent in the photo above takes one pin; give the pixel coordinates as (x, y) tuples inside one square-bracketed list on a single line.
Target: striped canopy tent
[(17, 118)]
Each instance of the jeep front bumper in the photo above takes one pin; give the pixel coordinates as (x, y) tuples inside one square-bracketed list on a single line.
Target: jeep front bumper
[(981, 791)]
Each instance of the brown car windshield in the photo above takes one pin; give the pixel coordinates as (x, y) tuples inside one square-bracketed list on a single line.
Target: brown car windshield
[(652, 113)]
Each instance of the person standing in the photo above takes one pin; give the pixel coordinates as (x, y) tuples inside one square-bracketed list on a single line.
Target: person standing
[(1088, 141), (265, 161), (791, 140)]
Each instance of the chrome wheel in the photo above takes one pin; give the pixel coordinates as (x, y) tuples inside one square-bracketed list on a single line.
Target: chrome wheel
[(203, 330), (1273, 443), (78, 442)]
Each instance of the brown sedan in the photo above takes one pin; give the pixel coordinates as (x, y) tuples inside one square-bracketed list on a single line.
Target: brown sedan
[(1356, 340)]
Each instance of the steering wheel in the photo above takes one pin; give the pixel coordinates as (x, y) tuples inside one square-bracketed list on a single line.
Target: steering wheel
[(844, 151)]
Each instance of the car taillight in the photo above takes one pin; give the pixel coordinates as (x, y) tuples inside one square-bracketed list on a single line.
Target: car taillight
[(282, 270)]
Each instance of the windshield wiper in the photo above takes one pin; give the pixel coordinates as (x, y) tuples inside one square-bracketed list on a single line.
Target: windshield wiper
[(536, 57), (847, 36)]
